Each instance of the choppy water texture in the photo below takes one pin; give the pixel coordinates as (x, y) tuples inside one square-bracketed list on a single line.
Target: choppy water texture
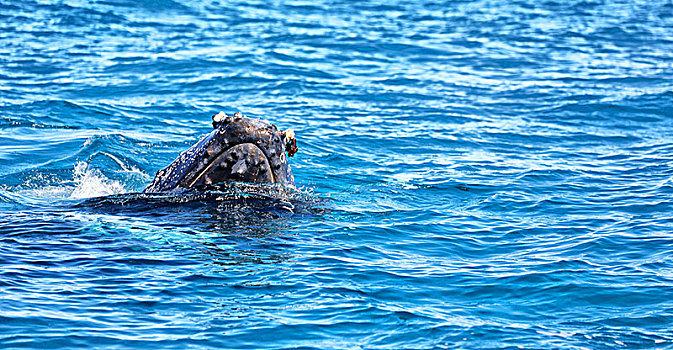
[(475, 174)]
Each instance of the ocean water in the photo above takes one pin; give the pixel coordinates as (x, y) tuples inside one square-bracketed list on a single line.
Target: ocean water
[(472, 175)]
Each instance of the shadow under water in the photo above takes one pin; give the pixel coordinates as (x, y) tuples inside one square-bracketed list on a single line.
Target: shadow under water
[(225, 225), (225, 208)]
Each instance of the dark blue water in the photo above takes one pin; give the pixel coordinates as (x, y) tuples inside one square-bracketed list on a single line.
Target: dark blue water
[(473, 174)]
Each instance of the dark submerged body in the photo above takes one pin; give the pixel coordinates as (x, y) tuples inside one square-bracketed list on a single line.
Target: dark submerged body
[(239, 149)]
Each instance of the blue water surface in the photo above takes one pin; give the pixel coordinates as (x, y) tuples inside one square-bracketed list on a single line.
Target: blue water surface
[(472, 175)]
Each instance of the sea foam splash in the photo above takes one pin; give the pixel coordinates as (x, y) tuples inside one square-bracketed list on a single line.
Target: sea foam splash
[(91, 183)]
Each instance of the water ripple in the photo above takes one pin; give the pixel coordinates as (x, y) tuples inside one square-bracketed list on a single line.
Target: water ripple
[(475, 174)]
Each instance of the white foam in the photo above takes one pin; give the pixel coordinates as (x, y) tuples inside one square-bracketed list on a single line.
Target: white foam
[(92, 183)]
